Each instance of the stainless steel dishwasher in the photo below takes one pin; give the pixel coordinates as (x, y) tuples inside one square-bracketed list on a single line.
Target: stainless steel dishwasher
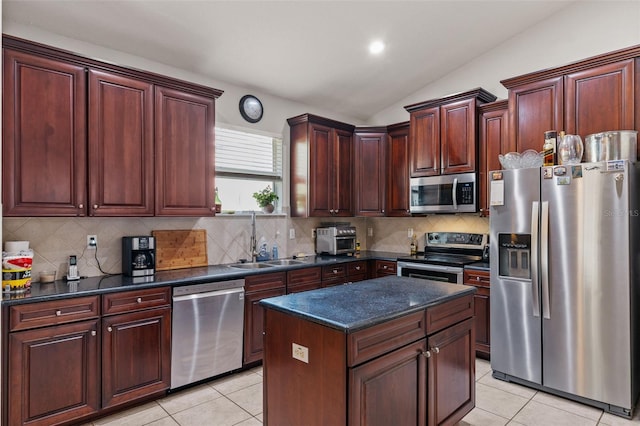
[(207, 330)]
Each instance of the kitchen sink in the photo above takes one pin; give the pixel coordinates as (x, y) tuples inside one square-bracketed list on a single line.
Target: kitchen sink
[(285, 262), (254, 265)]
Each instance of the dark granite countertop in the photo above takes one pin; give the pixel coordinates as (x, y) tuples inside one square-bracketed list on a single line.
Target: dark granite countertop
[(483, 266), (355, 306), (113, 283)]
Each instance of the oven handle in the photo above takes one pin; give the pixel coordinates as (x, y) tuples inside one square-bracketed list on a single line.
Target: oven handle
[(430, 267)]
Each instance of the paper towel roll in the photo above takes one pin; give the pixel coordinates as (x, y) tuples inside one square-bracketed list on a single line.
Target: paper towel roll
[(15, 246)]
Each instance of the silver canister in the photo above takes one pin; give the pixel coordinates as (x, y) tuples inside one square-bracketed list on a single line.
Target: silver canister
[(612, 145)]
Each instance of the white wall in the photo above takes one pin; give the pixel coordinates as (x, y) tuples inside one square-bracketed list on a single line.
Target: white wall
[(582, 30)]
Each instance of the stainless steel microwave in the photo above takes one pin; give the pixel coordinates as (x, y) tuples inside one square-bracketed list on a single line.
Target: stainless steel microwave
[(444, 194)]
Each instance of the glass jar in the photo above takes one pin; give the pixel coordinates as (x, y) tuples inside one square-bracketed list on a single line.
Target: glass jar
[(570, 149)]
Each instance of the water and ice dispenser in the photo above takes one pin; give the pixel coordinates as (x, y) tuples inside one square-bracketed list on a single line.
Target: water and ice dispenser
[(514, 260)]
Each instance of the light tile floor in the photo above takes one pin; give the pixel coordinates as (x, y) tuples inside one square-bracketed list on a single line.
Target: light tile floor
[(237, 400)]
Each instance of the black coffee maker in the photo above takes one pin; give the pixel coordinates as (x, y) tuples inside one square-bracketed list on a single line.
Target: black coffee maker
[(138, 256)]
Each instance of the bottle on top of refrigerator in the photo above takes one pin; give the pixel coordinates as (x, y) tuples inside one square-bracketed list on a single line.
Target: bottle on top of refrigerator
[(549, 148)]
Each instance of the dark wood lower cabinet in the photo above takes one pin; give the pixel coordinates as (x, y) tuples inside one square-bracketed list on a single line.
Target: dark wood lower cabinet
[(480, 279), (66, 363), (53, 374), (418, 369), (136, 355), (390, 390), (258, 287), (451, 374)]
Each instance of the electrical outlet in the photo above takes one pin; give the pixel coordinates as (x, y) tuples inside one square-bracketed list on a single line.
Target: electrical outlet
[(410, 232), (370, 232), (92, 241), (299, 352), (292, 233)]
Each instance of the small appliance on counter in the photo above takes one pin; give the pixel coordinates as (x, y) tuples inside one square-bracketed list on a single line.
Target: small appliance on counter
[(336, 238), (138, 256)]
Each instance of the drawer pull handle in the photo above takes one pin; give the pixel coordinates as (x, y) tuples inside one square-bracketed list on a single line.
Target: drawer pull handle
[(93, 332), (109, 329), (436, 350), (58, 313), (139, 300), (357, 268), (426, 354)]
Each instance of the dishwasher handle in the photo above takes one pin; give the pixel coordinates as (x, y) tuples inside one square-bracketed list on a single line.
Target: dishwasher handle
[(195, 296)]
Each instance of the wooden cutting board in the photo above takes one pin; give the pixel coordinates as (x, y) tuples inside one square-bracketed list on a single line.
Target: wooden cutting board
[(178, 249)]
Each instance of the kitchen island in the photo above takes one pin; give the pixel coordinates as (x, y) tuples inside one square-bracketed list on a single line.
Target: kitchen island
[(391, 350)]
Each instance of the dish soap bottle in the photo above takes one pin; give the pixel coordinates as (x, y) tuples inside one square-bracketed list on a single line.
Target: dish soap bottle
[(274, 251)]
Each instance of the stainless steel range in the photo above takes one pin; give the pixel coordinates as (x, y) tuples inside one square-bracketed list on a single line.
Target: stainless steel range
[(445, 255)]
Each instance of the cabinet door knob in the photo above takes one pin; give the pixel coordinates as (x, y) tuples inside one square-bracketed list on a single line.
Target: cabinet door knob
[(58, 313), (382, 210), (436, 350), (426, 354), (139, 300), (93, 332), (81, 206), (95, 206), (337, 210), (335, 271), (357, 268), (109, 329)]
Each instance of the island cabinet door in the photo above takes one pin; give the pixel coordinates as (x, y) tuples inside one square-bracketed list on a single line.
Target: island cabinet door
[(451, 364), (391, 389)]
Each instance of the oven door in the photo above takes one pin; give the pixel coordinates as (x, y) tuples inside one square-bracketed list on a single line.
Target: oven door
[(429, 272)]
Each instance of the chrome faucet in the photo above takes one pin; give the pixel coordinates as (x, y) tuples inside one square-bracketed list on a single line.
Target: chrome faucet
[(253, 243)]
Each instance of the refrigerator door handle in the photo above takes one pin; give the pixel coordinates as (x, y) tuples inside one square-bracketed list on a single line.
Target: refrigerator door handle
[(544, 259), (454, 191), (535, 297)]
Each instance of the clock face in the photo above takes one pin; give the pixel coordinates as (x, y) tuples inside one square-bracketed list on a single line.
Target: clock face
[(251, 108)]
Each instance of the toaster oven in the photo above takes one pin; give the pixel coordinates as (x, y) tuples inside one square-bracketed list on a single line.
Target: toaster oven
[(335, 240)]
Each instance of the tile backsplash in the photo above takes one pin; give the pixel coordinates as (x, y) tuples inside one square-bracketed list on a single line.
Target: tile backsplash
[(53, 240)]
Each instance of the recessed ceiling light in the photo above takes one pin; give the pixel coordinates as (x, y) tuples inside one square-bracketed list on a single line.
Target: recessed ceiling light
[(376, 47)]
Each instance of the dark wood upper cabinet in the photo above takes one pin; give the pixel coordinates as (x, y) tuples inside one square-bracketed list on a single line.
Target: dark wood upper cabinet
[(44, 136), (370, 170), (534, 108), (584, 97), (321, 167), (397, 170), (600, 99), (121, 148), (185, 172), (80, 137), (494, 140), (443, 133)]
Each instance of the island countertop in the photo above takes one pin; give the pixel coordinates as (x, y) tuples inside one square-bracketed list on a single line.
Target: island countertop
[(359, 305)]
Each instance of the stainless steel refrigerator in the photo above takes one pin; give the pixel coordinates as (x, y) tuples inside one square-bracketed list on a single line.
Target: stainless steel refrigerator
[(564, 281)]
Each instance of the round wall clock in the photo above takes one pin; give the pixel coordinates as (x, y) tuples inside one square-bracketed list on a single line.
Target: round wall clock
[(251, 108)]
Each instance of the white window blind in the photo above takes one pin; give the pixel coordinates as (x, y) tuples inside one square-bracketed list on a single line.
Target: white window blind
[(246, 163), (248, 154)]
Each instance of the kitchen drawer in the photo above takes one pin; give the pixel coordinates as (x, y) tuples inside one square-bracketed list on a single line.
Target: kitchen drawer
[(386, 267), (447, 314), (33, 315), (128, 301), (334, 275), (301, 276), (356, 268), (383, 338), (476, 277), (263, 282)]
